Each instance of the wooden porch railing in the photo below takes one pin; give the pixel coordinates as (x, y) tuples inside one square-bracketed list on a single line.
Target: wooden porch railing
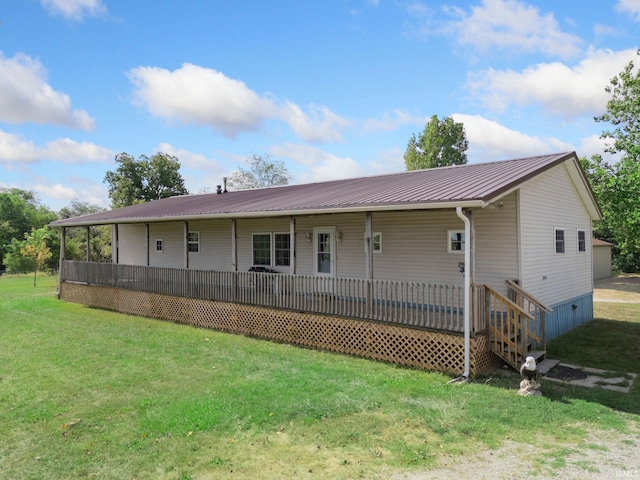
[(513, 331), (414, 304), (535, 307)]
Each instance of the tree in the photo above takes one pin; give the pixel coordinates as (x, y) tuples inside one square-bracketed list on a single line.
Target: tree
[(623, 112), (263, 172), (76, 239), (31, 253), (143, 180), (620, 198), (442, 143), (20, 211)]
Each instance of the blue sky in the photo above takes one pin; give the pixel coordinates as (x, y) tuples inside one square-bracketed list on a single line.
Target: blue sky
[(334, 88)]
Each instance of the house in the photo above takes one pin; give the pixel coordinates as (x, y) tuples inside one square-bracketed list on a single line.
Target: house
[(448, 269), (601, 259)]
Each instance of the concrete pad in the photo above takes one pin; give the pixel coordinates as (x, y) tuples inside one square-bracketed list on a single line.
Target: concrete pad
[(596, 378)]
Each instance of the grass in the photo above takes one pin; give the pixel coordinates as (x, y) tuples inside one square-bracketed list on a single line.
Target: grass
[(91, 393)]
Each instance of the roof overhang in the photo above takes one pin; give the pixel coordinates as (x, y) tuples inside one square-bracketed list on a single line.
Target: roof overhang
[(272, 214)]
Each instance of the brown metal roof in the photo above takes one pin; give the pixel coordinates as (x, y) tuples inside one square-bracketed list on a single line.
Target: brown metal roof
[(447, 187)]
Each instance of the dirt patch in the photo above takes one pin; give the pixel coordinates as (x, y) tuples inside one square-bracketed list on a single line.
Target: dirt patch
[(623, 288), (601, 455)]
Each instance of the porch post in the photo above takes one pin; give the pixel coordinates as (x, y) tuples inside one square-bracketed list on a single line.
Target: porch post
[(115, 254), (88, 244), (61, 256), (146, 234), (292, 243), (186, 244), (368, 250), (234, 245)]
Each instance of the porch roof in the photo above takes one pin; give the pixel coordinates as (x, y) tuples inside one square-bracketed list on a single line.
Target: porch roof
[(470, 186)]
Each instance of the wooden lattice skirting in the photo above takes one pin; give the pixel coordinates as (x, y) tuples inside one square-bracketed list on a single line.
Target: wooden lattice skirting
[(427, 350)]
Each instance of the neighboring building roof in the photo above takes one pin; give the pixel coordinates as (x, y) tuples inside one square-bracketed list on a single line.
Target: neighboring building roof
[(472, 185), (601, 243)]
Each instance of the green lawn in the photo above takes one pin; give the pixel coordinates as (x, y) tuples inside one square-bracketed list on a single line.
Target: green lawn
[(91, 393)]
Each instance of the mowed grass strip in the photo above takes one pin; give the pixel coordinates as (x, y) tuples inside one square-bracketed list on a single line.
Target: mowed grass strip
[(91, 393)]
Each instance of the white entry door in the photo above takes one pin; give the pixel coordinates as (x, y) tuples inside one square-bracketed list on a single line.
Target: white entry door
[(324, 259)]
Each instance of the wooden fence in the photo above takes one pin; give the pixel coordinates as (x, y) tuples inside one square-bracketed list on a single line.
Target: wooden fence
[(414, 304)]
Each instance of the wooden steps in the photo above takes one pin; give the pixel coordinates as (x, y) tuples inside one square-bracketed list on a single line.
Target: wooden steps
[(544, 364)]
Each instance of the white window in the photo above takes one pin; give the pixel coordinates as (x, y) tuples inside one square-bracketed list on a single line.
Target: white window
[(455, 241), (159, 245), (376, 242), (282, 246), (582, 241), (193, 242), (559, 239), (271, 249), (261, 249)]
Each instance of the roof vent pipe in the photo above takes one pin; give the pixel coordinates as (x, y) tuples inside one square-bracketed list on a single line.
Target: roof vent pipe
[(224, 179), (218, 189)]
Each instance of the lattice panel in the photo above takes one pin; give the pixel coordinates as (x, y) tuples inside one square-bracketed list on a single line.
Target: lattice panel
[(422, 349)]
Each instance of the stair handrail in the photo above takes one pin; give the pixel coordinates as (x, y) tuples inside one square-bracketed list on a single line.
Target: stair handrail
[(539, 308), (513, 285), (521, 317)]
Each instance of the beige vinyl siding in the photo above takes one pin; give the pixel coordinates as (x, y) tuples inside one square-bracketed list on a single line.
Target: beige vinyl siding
[(415, 247), (172, 235), (550, 201), (132, 244), (215, 245), (497, 243)]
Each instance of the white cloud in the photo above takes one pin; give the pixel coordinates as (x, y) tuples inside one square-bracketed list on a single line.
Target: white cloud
[(14, 149), (630, 6), (511, 25), (25, 96), (203, 96), (322, 126), (75, 9), (70, 151), (566, 91), (319, 165), (392, 121), (489, 140)]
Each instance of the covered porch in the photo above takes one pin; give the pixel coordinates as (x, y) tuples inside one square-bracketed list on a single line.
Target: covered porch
[(409, 323)]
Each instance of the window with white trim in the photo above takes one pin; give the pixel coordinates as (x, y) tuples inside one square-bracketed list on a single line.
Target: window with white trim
[(455, 241), (559, 240), (271, 249), (282, 247), (261, 249), (376, 242), (193, 242), (159, 245), (582, 241)]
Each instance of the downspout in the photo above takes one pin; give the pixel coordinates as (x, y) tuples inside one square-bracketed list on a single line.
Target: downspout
[(467, 290)]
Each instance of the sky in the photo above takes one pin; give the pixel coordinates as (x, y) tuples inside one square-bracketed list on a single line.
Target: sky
[(332, 88)]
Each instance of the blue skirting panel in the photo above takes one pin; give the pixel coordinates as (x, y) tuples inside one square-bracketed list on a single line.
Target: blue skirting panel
[(568, 315)]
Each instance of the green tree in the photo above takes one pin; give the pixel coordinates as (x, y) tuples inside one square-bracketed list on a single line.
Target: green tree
[(262, 172), (442, 143), (145, 179), (30, 254), (20, 211), (76, 238), (621, 198)]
